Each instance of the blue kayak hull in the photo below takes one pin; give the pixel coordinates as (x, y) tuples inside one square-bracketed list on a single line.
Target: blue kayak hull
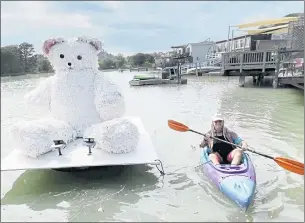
[(237, 182)]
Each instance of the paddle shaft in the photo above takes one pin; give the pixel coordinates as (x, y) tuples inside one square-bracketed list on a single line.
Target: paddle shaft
[(232, 144)]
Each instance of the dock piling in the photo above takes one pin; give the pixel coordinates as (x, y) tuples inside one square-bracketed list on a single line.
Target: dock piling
[(277, 70), (242, 79)]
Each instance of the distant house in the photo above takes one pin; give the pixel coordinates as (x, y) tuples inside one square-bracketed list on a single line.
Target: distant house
[(164, 60), (196, 52)]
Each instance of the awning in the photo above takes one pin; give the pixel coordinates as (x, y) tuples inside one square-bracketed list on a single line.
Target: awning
[(257, 31), (278, 31), (267, 22)]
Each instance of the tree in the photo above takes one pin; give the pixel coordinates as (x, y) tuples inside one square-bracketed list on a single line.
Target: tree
[(149, 58), (10, 61), (43, 64), (120, 61), (26, 51), (107, 63), (138, 59), (297, 14)]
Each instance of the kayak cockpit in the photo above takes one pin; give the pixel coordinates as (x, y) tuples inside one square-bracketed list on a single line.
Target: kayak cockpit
[(225, 167)]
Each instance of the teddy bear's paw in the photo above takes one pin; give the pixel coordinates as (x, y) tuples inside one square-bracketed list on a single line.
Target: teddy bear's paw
[(118, 136), (35, 138)]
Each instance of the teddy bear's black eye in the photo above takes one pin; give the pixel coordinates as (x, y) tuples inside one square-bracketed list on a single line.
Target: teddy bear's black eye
[(62, 56), (79, 57)]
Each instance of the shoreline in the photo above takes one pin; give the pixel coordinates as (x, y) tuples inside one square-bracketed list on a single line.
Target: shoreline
[(24, 74)]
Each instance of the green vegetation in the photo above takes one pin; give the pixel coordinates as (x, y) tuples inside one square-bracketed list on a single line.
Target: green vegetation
[(109, 61), (21, 59)]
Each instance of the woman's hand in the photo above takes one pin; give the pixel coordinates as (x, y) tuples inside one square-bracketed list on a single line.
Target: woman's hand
[(205, 140), (244, 145), (206, 137)]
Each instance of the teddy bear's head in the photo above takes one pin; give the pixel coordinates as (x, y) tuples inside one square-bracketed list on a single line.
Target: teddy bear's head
[(72, 56)]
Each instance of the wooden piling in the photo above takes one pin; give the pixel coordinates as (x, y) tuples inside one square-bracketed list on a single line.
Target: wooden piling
[(277, 70), (242, 79), (178, 73)]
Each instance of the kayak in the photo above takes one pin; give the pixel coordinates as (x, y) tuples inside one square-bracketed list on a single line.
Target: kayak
[(237, 182)]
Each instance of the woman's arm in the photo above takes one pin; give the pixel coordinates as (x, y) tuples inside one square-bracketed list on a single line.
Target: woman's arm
[(238, 140), (206, 139)]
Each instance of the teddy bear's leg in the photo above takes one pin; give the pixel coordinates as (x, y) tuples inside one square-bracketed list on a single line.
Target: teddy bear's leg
[(36, 137), (115, 136)]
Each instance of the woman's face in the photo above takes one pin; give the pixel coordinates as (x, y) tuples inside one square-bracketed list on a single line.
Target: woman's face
[(218, 125)]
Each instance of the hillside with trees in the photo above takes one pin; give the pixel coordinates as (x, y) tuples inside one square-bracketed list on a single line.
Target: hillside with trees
[(22, 59)]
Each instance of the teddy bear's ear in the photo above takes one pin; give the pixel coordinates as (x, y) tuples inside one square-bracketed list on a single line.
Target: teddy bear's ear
[(97, 44), (48, 44)]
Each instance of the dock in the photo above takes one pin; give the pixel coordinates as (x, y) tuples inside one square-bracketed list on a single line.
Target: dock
[(295, 81), (138, 69), (169, 75), (259, 64)]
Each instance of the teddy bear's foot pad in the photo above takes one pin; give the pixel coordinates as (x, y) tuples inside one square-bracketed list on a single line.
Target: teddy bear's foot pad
[(76, 155)]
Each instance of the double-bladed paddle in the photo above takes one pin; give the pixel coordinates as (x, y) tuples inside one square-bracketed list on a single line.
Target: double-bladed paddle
[(287, 164)]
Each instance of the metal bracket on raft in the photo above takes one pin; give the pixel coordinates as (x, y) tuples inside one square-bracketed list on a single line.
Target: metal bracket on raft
[(59, 144), (162, 169), (90, 143)]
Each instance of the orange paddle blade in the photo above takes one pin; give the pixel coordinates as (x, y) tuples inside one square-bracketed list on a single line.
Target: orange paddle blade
[(177, 126), (291, 165)]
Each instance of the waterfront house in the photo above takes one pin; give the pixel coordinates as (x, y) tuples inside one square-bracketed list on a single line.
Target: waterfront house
[(196, 52), (271, 34), (240, 43)]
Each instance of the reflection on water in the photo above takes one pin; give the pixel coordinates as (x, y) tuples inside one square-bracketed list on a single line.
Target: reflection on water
[(100, 192), (271, 120)]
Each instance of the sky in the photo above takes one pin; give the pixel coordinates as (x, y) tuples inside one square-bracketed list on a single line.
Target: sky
[(129, 27)]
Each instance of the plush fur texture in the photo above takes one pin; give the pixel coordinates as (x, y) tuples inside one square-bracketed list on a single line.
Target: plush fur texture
[(80, 98)]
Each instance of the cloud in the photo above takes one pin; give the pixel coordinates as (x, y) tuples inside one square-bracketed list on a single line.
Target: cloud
[(28, 18), (129, 27), (113, 4)]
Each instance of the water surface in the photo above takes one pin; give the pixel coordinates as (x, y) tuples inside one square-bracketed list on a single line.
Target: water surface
[(271, 120)]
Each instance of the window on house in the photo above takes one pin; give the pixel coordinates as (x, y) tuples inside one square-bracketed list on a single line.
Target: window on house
[(247, 42), (242, 43)]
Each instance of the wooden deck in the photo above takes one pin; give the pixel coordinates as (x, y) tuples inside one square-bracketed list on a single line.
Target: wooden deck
[(295, 81), (249, 63), (264, 63)]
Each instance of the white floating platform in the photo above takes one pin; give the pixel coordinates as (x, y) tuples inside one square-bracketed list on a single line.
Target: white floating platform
[(76, 155)]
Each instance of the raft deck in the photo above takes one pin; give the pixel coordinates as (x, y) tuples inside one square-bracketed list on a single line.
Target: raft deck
[(76, 155)]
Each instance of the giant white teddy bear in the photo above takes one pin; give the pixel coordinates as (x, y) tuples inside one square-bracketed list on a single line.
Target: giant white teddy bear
[(83, 103)]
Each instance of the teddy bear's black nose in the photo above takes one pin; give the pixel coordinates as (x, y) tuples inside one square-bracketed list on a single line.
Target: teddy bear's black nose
[(69, 64)]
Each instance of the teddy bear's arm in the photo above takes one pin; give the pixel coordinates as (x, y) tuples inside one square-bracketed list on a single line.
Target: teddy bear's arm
[(41, 95), (109, 101)]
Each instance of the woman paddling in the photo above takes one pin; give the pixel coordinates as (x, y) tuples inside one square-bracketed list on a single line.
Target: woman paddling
[(223, 152)]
